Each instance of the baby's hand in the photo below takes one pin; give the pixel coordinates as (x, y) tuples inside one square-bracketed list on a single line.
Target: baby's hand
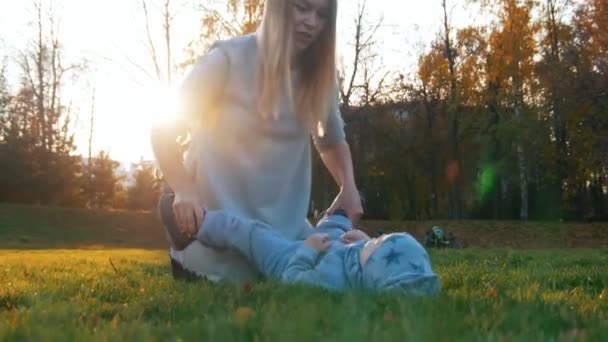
[(318, 242), (354, 235)]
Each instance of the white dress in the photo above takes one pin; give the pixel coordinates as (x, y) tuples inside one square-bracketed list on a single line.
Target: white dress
[(251, 166)]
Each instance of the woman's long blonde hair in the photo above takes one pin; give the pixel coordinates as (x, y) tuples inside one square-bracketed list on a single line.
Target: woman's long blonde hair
[(316, 88)]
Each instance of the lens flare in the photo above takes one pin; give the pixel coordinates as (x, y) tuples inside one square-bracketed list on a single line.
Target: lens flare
[(451, 171), (486, 181)]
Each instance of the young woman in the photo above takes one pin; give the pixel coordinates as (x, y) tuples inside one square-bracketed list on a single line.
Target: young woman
[(251, 105)]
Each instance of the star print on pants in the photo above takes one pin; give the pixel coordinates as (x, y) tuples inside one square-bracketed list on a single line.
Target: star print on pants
[(391, 257)]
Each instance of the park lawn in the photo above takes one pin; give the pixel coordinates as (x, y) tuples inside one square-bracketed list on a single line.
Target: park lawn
[(44, 227), (129, 294)]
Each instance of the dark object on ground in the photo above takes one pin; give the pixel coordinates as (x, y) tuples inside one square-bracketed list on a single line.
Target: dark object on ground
[(437, 238), (174, 235), (180, 273), (596, 218)]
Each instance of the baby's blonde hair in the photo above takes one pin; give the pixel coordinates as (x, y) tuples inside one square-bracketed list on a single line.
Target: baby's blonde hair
[(316, 88)]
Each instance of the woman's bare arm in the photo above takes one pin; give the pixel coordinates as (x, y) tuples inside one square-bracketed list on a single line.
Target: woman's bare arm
[(167, 152), (187, 205), (200, 91), (338, 161)]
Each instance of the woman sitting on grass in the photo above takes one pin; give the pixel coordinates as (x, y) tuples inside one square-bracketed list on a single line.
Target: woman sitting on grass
[(251, 105), (334, 256)]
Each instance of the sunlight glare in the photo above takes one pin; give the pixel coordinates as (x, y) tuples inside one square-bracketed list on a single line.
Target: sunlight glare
[(160, 104)]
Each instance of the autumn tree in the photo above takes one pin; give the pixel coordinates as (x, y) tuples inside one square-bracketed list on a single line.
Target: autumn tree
[(555, 80), (454, 172), (446, 91), (587, 139), (229, 19), (513, 46)]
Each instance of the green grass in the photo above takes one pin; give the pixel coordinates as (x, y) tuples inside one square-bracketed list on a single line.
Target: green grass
[(487, 295), (68, 274), (37, 227)]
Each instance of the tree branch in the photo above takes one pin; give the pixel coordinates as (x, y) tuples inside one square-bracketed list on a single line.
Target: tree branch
[(151, 47)]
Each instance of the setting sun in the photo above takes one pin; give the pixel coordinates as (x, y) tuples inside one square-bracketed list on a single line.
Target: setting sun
[(134, 112), (159, 104), (129, 98)]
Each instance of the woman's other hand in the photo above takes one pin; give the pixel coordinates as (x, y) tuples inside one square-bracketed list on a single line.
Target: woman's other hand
[(353, 236), (349, 200), (318, 242), (189, 211)]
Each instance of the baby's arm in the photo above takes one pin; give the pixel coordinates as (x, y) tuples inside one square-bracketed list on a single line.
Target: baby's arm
[(301, 268)]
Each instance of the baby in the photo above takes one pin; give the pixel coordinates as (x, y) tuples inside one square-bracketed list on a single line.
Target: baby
[(334, 256)]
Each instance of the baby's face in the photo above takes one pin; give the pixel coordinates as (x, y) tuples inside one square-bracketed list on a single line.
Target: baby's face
[(370, 247)]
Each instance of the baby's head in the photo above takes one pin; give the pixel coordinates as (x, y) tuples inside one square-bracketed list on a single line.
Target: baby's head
[(397, 262)]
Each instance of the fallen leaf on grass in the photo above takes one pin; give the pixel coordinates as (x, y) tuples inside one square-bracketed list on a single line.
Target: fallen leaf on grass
[(491, 293), (243, 313), (14, 320), (574, 335), (116, 320)]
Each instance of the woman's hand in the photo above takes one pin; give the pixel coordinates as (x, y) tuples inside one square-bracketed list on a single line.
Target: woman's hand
[(349, 200), (338, 161), (189, 211), (353, 236), (318, 242)]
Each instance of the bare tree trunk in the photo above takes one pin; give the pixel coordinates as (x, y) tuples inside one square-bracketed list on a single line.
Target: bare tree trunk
[(364, 40), (455, 192), (167, 27), (347, 92), (601, 200), (515, 75), (48, 74), (91, 128), (151, 47), (89, 192), (40, 72), (521, 159), (559, 122), (52, 111), (430, 124), (164, 75), (523, 183)]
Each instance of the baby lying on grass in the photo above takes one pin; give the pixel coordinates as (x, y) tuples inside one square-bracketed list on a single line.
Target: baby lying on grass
[(335, 256)]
